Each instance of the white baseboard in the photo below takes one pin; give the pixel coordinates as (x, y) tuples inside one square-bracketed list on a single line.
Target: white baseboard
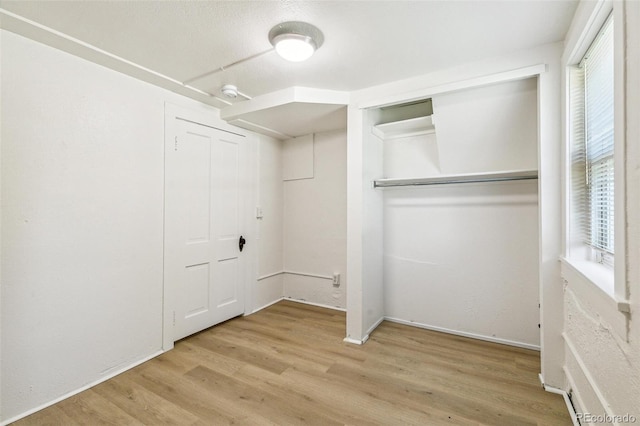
[(111, 375), (465, 334), (353, 341), (372, 328), (264, 307), (366, 336), (565, 396), (306, 302), (273, 274), (302, 274), (320, 305)]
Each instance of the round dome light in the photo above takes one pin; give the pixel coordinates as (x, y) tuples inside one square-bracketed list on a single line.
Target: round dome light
[(295, 41)]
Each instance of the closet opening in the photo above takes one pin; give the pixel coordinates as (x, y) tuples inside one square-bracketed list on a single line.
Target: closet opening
[(454, 196)]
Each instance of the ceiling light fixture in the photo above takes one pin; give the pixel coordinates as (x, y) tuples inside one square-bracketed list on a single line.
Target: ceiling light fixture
[(295, 41)]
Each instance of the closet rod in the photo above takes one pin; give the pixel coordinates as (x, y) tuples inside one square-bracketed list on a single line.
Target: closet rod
[(469, 178)]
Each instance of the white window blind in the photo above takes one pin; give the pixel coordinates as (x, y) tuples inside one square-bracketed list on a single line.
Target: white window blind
[(592, 157)]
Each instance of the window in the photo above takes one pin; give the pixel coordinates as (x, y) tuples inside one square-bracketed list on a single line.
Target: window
[(592, 118)]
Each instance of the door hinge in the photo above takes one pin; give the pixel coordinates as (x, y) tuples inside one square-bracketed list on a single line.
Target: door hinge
[(175, 147)]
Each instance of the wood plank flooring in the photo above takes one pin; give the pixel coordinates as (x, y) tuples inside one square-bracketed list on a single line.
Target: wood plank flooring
[(288, 365)]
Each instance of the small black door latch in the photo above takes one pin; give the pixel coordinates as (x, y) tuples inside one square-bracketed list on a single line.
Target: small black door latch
[(241, 242)]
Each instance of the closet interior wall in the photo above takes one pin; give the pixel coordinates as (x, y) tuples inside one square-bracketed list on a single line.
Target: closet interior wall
[(463, 258)]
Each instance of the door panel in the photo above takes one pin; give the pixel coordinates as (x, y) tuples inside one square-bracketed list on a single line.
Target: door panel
[(202, 226), (226, 292), (194, 161), (196, 293), (227, 214)]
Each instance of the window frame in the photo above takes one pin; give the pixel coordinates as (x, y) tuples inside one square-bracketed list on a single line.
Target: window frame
[(583, 167), (577, 254)]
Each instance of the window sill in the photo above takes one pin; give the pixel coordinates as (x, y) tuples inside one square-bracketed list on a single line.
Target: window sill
[(599, 275), (593, 284)]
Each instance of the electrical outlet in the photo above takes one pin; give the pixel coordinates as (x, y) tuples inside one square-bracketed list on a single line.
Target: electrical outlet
[(336, 279)]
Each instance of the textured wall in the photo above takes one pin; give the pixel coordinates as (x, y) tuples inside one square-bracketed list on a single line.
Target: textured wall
[(602, 366), (315, 225)]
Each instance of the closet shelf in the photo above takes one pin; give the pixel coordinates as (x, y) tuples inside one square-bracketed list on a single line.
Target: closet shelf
[(459, 178), (399, 129)]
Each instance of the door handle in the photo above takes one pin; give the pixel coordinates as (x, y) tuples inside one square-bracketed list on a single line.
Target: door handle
[(241, 242)]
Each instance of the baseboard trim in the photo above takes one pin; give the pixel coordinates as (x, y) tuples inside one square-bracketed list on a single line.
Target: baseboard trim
[(353, 341), (301, 274), (372, 328), (366, 336), (264, 277), (465, 334), (108, 376), (565, 396), (265, 306), (320, 305), (305, 302)]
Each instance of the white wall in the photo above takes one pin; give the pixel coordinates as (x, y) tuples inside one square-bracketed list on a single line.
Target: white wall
[(314, 217), (602, 362), (464, 259), (82, 222), (269, 287), (488, 128)]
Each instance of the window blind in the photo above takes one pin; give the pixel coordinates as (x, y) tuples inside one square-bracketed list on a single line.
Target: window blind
[(594, 79)]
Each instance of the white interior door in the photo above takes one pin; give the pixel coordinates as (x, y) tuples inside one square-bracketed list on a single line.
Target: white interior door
[(203, 222)]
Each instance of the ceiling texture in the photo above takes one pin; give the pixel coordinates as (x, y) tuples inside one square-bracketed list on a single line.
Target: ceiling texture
[(366, 42)]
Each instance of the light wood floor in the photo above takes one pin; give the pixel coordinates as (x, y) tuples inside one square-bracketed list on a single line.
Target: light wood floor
[(288, 365)]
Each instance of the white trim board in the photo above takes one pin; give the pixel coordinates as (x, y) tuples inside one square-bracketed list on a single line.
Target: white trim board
[(587, 376), (565, 396), (367, 334), (304, 302), (108, 376), (273, 274), (372, 328), (320, 305), (263, 307), (465, 334), (354, 341), (302, 274)]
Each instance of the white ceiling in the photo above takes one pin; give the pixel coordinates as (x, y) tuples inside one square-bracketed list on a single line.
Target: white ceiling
[(366, 42)]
